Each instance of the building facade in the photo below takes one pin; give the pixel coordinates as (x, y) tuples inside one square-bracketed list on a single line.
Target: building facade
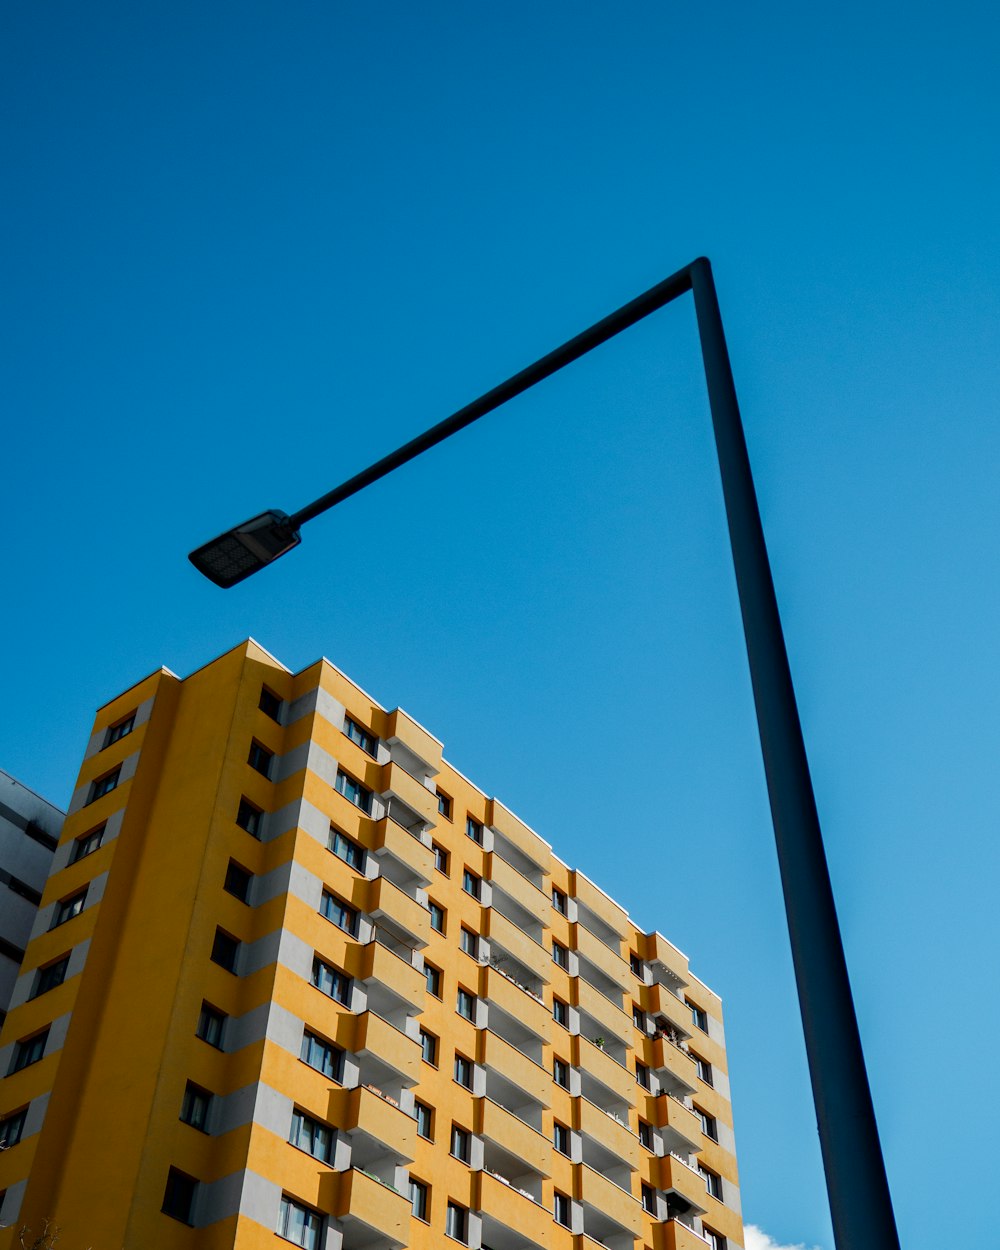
[(294, 977)]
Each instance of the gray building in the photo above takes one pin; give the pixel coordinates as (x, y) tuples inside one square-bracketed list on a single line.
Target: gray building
[(29, 830)]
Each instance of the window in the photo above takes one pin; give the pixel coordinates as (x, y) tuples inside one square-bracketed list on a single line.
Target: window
[(12, 1128), (322, 1055), (418, 1199), (17, 886), (35, 831), (337, 912), (463, 1071), (238, 881), (559, 901), (346, 849), (87, 844), (433, 976), (437, 916), (699, 1016), (178, 1197), (425, 1119), (642, 1074), (466, 1004), (270, 704), (120, 729), (704, 1070), (299, 1225), (716, 1241), (561, 1138), (225, 950), (331, 981), (560, 1012), (428, 1048), (639, 1018), (310, 1135), (646, 1134), (444, 804), (471, 884), (635, 963), (364, 738), (248, 817), (562, 1210), (474, 830), (470, 942), (51, 976), (713, 1181), (104, 785), (353, 791), (194, 1108), (709, 1125), (649, 1199), (560, 1072), (560, 955), (210, 1024), (457, 1223), (441, 858), (461, 1143), (260, 758), (67, 908)]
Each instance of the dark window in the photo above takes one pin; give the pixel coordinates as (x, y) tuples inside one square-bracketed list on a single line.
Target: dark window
[(238, 881), (642, 1074), (312, 1136), (51, 976), (298, 1224), (699, 1016), (104, 785), (560, 1072), (704, 1070), (471, 884), (12, 1128), (440, 858), (194, 1108), (561, 1138), (270, 704), (559, 901), (638, 1018), (437, 916), (433, 976), (260, 758), (470, 942), (646, 1134), (649, 1199), (346, 848), (562, 1210), (35, 831), (457, 1223), (339, 913), (474, 830), (428, 1047), (466, 1004), (67, 908), (713, 1181), (560, 1012), (178, 1197), (248, 817), (444, 804), (461, 1143), (353, 791), (560, 955), (210, 1024), (17, 886), (425, 1120), (87, 844), (716, 1241), (365, 739), (709, 1126), (322, 1055), (121, 729), (334, 983), (463, 1071), (418, 1199), (635, 963), (225, 950)]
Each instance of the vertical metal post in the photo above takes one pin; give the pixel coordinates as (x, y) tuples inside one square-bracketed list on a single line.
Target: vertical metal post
[(860, 1203)]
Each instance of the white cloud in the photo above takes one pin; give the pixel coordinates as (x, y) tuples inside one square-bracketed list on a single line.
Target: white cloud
[(757, 1239)]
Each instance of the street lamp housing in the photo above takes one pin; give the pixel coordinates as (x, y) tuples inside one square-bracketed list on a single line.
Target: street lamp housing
[(246, 548)]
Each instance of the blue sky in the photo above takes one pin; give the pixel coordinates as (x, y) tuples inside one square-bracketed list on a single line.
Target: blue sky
[(251, 247)]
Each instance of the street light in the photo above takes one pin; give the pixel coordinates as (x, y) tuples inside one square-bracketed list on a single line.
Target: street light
[(860, 1203)]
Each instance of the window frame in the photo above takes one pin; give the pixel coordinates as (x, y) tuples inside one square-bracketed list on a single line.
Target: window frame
[(363, 738), (463, 1064), (445, 803), (562, 1209), (86, 844), (337, 978), (432, 973), (560, 954), (104, 784), (420, 1195), (249, 817), (472, 884), (43, 982), (64, 909), (436, 911), (314, 1128), (118, 730), (456, 1224), (560, 901), (270, 704), (10, 1138), (418, 1108), (211, 1019), (429, 1047), (562, 1139), (442, 859), (561, 1066), (463, 1138), (312, 1224), (474, 830), (330, 1055), (469, 942), (176, 1177), (238, 881), (466, 999), (260, 758), (354, 791), (346, 849), (331, 905), (226, 950), (195, 1107), (560, 1011)]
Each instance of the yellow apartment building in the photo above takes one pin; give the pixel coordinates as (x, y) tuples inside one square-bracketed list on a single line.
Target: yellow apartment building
[(295, 980)]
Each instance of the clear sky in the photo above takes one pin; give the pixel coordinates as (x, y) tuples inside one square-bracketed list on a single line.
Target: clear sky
[(250, 247)]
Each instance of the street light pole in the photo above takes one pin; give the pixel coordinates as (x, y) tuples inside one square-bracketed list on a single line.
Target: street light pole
[(858, 1190)]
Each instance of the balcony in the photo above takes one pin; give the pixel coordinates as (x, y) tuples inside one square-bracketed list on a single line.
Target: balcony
[(398, 912), (507, 878), (510, 1062), (597, 1192), (378, 964), (502, 1127), (660, 1001), (376, 1115), (603, 907), (519, 1003), (370, 1210), (390, 838), (604, 958), (674, 961), (604, 1128), (398, 783), (683, 1179), (517, 943), (609, 1017), (611, 1074), (519, 835), (675, 1063), (377, 1037), (673, 1235), (504, 1204), (679, 1121), (404, 729)]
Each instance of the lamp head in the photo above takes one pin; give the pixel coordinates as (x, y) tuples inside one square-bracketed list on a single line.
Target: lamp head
[(246, 548)]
